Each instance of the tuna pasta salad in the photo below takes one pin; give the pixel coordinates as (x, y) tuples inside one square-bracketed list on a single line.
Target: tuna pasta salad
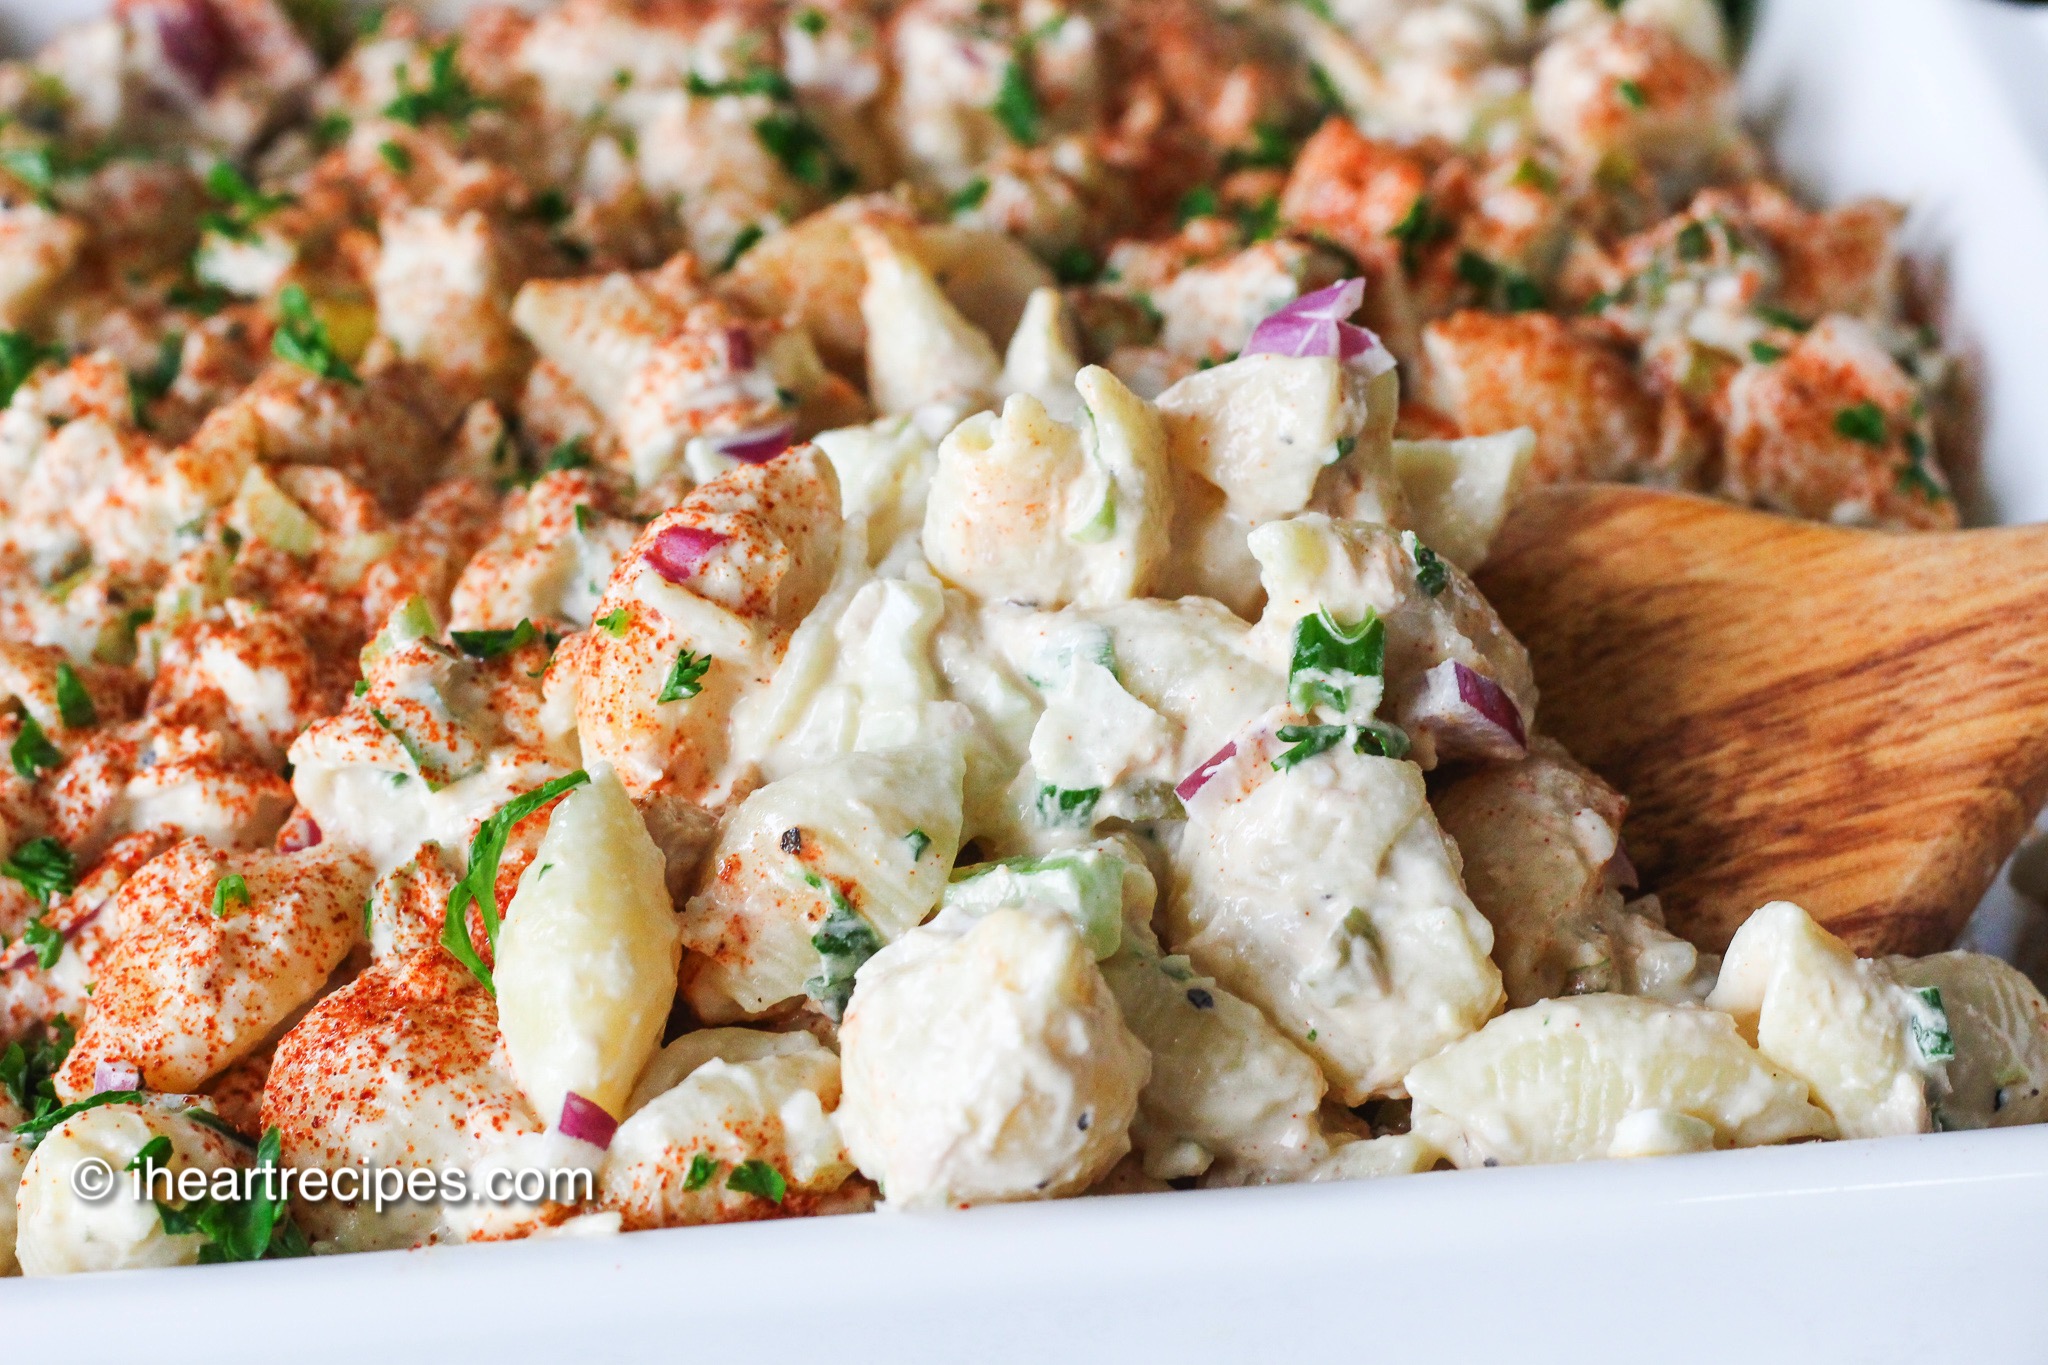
[(658, 612)]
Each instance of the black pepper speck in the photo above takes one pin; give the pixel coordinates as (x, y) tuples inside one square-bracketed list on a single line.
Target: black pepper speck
[(792, 841), (1201, 999)]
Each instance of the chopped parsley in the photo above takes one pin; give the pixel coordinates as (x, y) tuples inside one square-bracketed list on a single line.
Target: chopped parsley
[(242, 204), (573, 453), (1272, 149), (685, 677), (1507, 288), (32, 751), (919, 841), (702, 1168), (1764, 353), (1864, 422), (301, 339), (1693, 242), (44, 868), (1016, 104), (492, 644), (446, 95), (1632, 94), (1260, 221), (1328, 656), (1778, 317), (1075, 265), (803, 151), (810, 21), (844, 939), (37, 1128), (332, 130), (758, 1178), (155, 1152), (1432, 575), (1534, 175), (409, 744), (19, 355), (1418, 228), (614, 621), (585, 518), (46, 941), (252, 1229), (968, 196), (760, 80), (74, 703), (28, 1070), (1914, 475), (227, 891), (479, 884), (1067, 806), (741, 245), (396, 157), (1199, 202)]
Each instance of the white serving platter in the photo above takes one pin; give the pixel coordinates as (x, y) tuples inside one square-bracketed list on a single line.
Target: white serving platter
[(1907, 1249)]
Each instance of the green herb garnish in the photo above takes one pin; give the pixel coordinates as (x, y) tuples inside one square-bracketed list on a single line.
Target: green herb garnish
[(919, 841), (32, 751), (1016, 104), (685, 677), (803, 151), (243, 205), (1864, 422), (20, 354), (702, 1168), (968, 196), (253, 1229), (492, 644), (227, 891), (1632, 94), (1765, 354), (1328, 656), (44, 867), (479, 884), (396, 157), (844, 939), (301, 339), (741, 245), (446, 94), (614, 621), (28, 1070), (1067, 806), (1930, 1028), (758, 1178), (74, 703), (1306, 741)]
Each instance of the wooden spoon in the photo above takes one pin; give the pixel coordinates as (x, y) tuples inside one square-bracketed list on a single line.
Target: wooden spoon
[(1853, 720)]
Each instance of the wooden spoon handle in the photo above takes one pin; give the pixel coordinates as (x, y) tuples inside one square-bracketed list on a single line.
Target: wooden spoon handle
[(1854, 720)]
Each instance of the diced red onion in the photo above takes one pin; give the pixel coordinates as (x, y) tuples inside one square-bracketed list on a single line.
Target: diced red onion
[(1199, 778), (194, 40), (739, 349), (1467, 714), (587, 1120), (1620, 872), (115, 1076), (758, 446), (1319, 324), (679, 551), (301, 832)]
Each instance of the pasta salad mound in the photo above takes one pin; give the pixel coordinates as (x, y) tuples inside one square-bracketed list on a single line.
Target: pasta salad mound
[(783, 608)]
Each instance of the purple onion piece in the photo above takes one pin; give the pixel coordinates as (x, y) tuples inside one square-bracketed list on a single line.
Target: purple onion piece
[(587, 1120), (300, 833), (194, 40), (739, 350), (1467, 715), (679, 551), (115, 1076), (1199, 778), (1318, 324), (758, 446)]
